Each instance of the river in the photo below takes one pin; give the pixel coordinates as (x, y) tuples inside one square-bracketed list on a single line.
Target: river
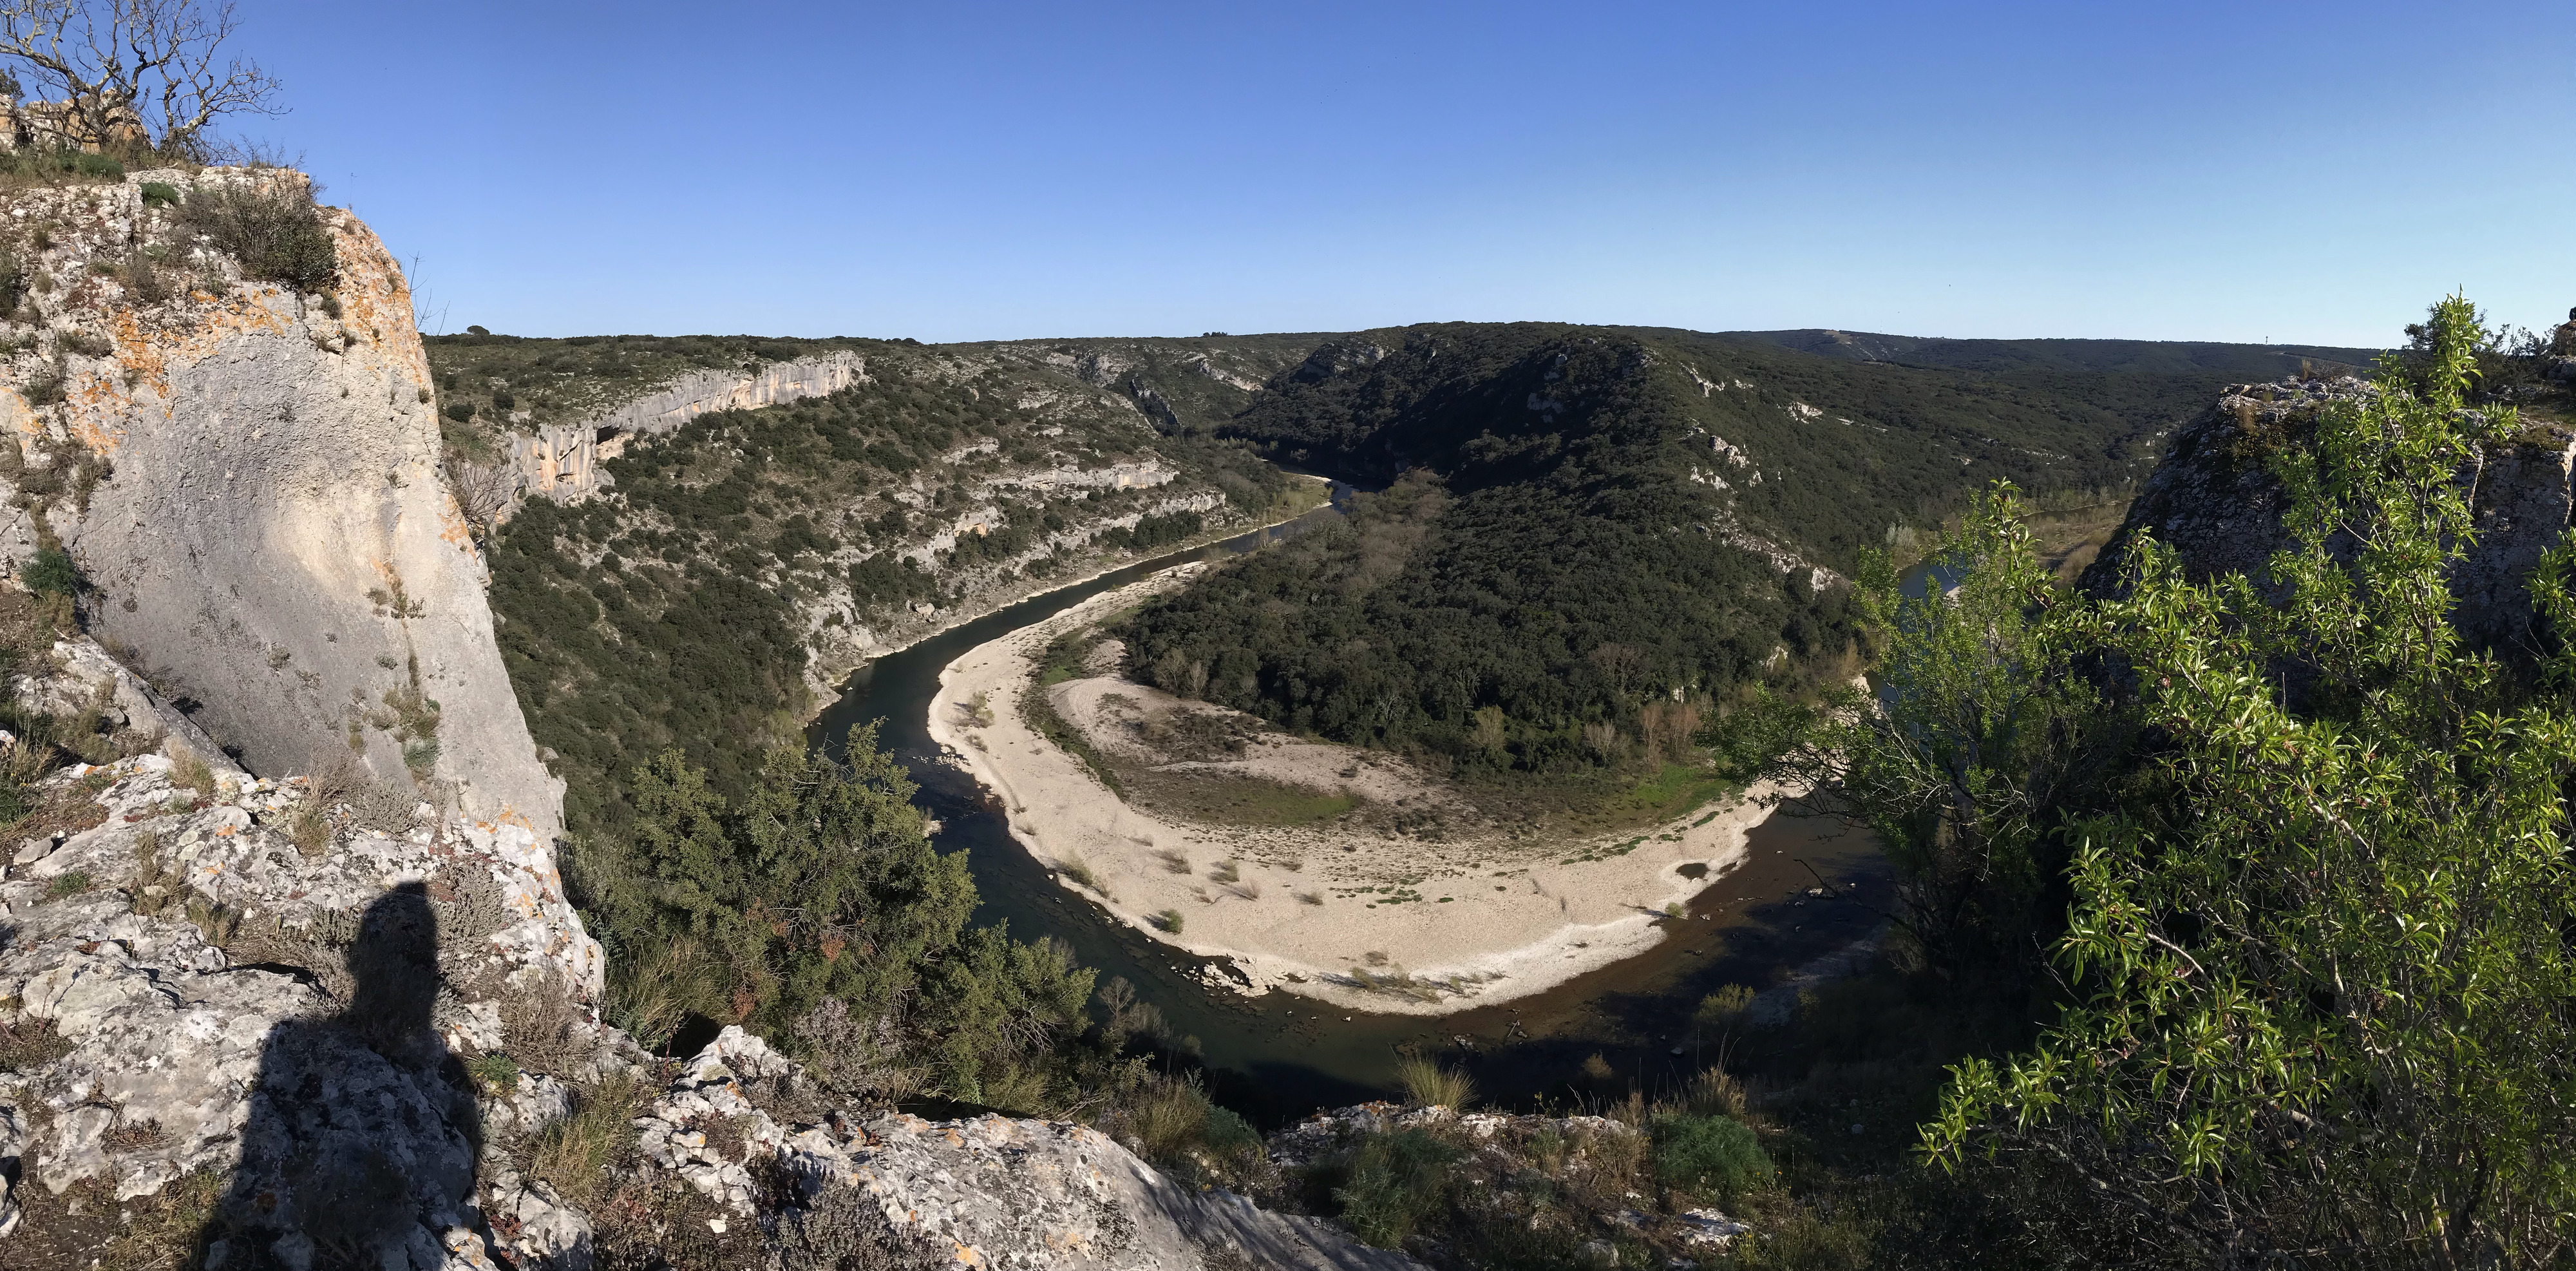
[(1278, 1056)]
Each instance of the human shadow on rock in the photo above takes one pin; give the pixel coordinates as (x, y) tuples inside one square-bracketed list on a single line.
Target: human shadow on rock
[(363, 1135)]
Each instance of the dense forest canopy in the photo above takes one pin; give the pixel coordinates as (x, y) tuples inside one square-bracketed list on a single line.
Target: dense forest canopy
[(2280, 866), (2240, 362), (1598, 537)]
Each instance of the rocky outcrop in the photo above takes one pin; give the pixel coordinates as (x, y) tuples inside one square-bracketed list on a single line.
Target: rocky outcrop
[(212, 975), (989, 1191), (248, 476), (563, 461), (2219, 507)]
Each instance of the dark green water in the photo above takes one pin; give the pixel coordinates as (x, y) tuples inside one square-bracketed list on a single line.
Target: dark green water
[(1279, 1056)]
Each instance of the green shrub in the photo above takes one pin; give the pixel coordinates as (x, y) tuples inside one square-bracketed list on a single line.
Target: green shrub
[(98, 165), (1395, 1184), (1714, 1156), (461, 412), (1227, 1131), (51, 572), (1168, 921), (496, 1072), (274, 231), (160, 194), (67, 884)]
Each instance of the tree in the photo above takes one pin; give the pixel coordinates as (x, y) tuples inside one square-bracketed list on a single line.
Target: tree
[(483, 491), (1977, 738), (2320, 951), (135, 74)]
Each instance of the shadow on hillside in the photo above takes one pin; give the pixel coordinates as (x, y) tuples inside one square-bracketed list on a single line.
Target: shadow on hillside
[(363, 1133)]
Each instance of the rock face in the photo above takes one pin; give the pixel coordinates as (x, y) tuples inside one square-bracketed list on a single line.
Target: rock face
[(316, 1019), (563, 461), (991, 1191), (2213, 501), (191, 992), (271, 537)]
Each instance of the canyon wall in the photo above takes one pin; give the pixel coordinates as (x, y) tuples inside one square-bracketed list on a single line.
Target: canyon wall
[(248, 477)]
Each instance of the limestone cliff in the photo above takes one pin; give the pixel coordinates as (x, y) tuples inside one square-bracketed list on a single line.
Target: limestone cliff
[(562, 460), (2219, 507), (255, 494), (242, 1005)]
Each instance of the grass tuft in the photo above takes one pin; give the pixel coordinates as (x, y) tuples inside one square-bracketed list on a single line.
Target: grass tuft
[(1428, 1085)]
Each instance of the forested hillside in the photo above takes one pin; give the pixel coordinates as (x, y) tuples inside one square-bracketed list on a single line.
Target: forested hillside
[(2239, 362), (1592, 541), (742, 563), (1604, 535)]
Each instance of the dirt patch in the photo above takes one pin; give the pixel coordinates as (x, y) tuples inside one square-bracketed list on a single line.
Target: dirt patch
[(1225, 799), (87, 1226)]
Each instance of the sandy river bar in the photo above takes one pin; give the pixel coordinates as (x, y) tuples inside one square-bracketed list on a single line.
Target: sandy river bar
[(1496, 917)]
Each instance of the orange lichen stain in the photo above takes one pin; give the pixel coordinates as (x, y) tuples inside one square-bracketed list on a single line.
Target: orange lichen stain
[(452, 528), (223, 831), (21, 416), (374, 298)]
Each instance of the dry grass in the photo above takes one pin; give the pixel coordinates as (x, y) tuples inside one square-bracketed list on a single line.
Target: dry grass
[(1715, 1092), (189, 769), (1428, 1085), (87, 1226), (30, 1044), (154, 886), (309, 830), (650, 999), (1079, 870), (545, 1031), (581, 1153)]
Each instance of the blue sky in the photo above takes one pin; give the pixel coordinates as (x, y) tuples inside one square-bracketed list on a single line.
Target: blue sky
[(2288, 172)]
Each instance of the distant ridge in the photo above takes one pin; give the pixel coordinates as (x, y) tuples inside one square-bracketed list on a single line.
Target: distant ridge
[(2243, 361)]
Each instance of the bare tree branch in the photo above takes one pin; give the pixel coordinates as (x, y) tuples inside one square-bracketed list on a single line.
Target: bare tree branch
[(131, 75), (484, 491)]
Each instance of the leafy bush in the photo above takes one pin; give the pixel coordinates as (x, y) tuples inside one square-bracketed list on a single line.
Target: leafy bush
[(160, 194), (496, 1072), (51, 572), (2317, 953), (1710, 1155), (846, 1229), (98, 165), (273, 230), (1396, 1183)]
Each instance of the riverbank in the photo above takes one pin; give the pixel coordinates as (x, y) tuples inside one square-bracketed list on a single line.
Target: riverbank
[(832, 681), (1364, 919)]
